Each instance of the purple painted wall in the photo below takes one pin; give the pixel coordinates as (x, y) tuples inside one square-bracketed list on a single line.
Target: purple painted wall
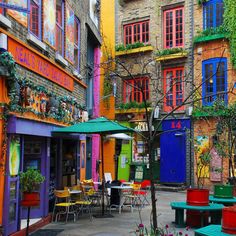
[(96, 112)]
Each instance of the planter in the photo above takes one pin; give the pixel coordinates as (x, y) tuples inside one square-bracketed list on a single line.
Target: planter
[(223, 191), (229, 220), (197, 197), (30, 199), (193, 218)]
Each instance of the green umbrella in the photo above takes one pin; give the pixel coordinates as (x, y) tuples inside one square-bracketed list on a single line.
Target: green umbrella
[(100, 126)]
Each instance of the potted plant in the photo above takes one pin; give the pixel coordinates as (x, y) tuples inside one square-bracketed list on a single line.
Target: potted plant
[(30, 181)]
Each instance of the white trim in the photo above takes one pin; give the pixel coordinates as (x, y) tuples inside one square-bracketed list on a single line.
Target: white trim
[(32, 39), (4, 21), (60, 59), (77, 75)]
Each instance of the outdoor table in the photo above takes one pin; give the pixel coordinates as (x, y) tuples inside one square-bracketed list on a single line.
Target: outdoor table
[(225, 201), (210, 230), (121, 203), (214, 209)]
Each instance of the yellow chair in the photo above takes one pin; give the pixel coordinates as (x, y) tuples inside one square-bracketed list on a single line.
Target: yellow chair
[(63, 205), (84, 203)]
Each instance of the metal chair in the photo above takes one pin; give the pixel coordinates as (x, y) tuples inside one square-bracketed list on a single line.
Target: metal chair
[(63, 205)]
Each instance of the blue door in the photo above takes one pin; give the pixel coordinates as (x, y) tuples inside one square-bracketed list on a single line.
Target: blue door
[(173, 151)]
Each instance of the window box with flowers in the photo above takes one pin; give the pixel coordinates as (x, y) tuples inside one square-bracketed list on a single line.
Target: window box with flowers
[(132, 49), (170, 54)]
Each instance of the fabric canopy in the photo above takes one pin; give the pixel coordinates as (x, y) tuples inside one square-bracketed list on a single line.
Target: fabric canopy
[(99, 125), (119, 136)]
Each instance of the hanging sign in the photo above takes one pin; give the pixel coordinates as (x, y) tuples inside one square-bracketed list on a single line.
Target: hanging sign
[(14, 156)]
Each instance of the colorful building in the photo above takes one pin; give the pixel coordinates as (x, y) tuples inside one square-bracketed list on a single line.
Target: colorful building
[(154, 59), (49, 78), (214, 73)]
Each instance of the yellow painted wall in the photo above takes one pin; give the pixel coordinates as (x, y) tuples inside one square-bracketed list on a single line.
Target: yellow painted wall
[(107, 105)]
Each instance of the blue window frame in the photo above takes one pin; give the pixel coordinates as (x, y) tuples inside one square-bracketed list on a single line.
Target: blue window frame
[(214, 84), (213, 11), (77, 44), (34, 20)]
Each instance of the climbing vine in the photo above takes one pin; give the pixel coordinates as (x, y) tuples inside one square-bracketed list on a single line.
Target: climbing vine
[(230, 26)]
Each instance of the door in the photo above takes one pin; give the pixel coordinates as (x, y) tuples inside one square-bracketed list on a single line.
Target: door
[(82, 160), (173, 151), (35, 156), (11, 201), (89, 158)]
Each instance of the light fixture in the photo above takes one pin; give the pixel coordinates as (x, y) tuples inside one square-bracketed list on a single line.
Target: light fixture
[(211, 81)]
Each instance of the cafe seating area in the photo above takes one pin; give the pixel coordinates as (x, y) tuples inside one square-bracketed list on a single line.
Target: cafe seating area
[(85, 199)]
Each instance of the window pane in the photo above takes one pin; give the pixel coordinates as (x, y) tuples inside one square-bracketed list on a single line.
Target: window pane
[(209, 16), (169, 29), (220, 80), (169, 88), (219, 13), (59, 12), (209, 83), (34, 18), (179, 27), (179, 87)]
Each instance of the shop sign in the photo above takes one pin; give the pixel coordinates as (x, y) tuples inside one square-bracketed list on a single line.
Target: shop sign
[(32, 61), (142, 126)]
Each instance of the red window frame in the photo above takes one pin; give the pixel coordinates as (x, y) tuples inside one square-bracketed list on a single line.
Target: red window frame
[(136, 32), (174, 27), (77, 43), (60, 27), (133, 90), (34, 18), (173, 88)]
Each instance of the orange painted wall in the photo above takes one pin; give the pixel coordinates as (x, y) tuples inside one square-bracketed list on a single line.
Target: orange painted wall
[(107, 105)]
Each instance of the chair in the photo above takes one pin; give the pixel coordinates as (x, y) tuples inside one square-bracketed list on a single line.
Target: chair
[(84, 203), (141, 192), (63, 204)]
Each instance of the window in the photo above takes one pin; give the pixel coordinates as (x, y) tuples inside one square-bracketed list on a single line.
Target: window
[(136, 32), (174, 28), (77, 44), (60, 27), (35, 18), (214, 80), (213, 11), (133, 89), (173, 88)]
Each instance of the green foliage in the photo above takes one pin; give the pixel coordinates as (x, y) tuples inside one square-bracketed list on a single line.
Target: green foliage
[(230, 26), (30, 180), (200, 2), (133, 104), (170, 51), (6, 60), (211, 34), (122, 47), (217, 109)]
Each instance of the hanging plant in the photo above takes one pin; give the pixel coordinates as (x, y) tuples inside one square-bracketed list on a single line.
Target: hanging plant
[(230, 25), (170, 51)]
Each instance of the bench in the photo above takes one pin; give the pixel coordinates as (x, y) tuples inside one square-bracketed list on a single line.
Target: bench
[(211, 230), (225, 201), (214, 209)]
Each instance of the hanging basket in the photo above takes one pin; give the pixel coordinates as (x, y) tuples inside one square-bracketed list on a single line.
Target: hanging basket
[(223, 191), (30, 199), (229, 220), (197, 197)]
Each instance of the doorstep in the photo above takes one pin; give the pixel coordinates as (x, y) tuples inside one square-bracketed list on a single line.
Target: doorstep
[(35, 226)]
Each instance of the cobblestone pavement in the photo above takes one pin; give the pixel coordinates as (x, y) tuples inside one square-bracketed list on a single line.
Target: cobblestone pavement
[(123, 224)]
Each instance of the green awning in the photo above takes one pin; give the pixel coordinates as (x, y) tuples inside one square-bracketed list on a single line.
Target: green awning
[(99, 125)]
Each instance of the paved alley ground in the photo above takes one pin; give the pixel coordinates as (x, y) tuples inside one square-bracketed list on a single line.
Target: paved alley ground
[(123, 224)]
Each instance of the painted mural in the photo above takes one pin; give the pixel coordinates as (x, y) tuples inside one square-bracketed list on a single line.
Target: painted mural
[(14, 160), (69, 50), (203, 154), (21, 17), (49, 22)]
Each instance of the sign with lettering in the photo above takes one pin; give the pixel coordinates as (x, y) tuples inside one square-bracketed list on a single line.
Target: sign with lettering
[(39, 65)]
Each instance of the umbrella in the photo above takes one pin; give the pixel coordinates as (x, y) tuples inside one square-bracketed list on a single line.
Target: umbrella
[(120, 136), (100, 126)]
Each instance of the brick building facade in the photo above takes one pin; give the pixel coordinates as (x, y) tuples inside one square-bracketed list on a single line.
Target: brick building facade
[(51, 80)]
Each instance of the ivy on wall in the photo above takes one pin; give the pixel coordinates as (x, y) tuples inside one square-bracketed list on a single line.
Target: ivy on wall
[(230, 26), (170, 51), (62, 108)]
